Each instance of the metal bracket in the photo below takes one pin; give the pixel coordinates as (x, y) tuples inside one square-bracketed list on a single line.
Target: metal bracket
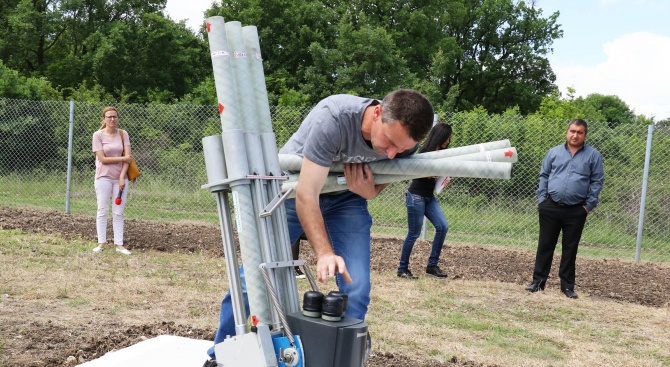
[(247, 177), (274, 204)]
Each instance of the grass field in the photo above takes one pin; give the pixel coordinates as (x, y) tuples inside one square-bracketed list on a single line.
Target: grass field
[(471, 220), (54, 285)]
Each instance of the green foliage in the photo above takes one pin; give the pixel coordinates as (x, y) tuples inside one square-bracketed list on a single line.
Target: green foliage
[(462, 54), (148, 61), (595, 107), (13, 85), (126, 47)]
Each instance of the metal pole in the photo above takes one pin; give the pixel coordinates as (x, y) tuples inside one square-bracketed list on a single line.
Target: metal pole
[(423, 228), (286, 286), (643, 199), (68, 185), (215, 164)]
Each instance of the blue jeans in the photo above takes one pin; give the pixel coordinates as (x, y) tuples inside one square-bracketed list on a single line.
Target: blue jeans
[(348, 224), (418, 207)]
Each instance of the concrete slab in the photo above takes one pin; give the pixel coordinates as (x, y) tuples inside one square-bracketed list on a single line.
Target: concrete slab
[(163, 351)]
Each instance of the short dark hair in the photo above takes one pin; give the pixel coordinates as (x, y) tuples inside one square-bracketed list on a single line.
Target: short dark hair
[(411, 109), (579, 122), (437, 136)]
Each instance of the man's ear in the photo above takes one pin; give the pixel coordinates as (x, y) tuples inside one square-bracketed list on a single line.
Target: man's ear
[(378, 111)]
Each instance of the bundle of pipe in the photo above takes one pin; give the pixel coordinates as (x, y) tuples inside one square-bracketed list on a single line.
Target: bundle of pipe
[(251, 167), (487, 160)]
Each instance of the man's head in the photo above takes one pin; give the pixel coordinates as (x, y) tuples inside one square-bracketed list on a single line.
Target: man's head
[(403, 118), (576, 134)]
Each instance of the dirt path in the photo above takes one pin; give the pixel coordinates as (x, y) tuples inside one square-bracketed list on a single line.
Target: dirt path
[(645, 284)]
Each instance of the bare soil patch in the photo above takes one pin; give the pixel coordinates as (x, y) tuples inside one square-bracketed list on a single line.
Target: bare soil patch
[(627, 282)]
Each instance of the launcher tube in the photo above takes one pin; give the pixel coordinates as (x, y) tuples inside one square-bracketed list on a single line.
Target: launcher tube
[(279, 237), (418, 167), (468, 149), (491, 170), (499, 155), (232, 117)]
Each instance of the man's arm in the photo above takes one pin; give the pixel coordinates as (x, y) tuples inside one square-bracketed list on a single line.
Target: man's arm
[(543, 186), (311, 180), (597, 179)]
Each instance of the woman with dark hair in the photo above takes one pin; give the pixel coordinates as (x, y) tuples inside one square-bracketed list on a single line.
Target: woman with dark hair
[(420, 201)]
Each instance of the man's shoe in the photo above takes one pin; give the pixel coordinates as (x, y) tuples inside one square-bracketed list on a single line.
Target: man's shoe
[(210, 363), (407, 274), (570, 293), (536, 285), (298, 273), (434, 271)]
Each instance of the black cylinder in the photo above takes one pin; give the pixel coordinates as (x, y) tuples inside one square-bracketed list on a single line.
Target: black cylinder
[(332, 308), (345, 298), (312, 302)]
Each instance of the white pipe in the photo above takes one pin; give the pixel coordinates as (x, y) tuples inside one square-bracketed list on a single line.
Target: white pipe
[(493, 170), (419, 167), (468, 149)]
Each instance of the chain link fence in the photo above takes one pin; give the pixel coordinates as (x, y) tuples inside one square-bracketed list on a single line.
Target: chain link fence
[(166, 141)]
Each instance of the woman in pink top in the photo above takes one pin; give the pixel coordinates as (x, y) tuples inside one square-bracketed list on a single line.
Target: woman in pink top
[(111, 166)]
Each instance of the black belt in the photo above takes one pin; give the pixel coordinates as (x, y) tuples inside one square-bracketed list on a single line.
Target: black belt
[(564, 205)]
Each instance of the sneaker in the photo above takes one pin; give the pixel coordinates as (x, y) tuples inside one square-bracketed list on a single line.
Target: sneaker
[(298, 273), (407, 274), (434, 271), (123, 251), (210, 363), (98, 249)]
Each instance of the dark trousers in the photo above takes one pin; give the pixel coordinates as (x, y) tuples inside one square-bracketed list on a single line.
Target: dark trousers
[(553, 220)]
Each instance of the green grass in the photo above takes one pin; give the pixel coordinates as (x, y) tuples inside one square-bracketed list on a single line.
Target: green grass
[(490, 322), (484, 322), (473, 220)]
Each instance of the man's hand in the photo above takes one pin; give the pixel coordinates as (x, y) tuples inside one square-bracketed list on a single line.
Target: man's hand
[(328, 265), (359, 180)]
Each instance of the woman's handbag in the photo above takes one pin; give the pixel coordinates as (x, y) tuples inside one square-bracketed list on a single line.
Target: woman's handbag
[(133, 172)]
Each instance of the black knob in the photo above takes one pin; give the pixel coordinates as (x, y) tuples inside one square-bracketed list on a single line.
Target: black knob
[(345, 298), (332, 308), (312, 302)]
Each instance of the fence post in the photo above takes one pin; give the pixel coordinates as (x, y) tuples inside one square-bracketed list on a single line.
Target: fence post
[(643, 199), (69, 160)]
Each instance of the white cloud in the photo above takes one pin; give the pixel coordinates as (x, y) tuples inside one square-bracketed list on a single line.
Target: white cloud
[(190, 10), (634, 71)]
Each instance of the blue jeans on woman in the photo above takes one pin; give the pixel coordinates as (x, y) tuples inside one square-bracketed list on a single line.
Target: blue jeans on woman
[(348, 224), (418, 207)]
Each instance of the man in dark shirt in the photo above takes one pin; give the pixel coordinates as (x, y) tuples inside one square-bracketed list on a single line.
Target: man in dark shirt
[(571, 178)]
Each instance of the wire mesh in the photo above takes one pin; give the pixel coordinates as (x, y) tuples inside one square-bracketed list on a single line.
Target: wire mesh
[(166, 143)]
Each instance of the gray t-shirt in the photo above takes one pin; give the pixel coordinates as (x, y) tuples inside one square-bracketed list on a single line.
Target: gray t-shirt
[(331, 132)]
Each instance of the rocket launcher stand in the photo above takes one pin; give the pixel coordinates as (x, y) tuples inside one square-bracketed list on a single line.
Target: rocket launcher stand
[(243, 168)]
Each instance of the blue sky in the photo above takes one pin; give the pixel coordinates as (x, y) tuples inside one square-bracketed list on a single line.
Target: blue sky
[(614, 47), (611, 47)]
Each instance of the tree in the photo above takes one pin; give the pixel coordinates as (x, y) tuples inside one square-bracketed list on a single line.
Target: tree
[(611, 108), (286, 30), (13, 85), (363, 62), (462, 53), (153, 60), (126, 46)]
